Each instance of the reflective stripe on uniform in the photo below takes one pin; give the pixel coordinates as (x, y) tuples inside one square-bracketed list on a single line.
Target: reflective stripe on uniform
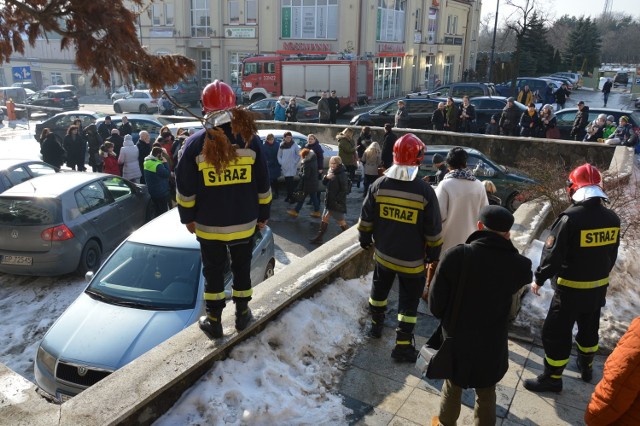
[(434, 241), (214, 296), (377, 303), (386, 194), (245, 156), (242, 293), (583, 285), (226, 233), (403, 342), (408, 267), (264, 197), (556, 363), (400, 202), (185, 201), (407, 319), (589, 350), (365, 226)]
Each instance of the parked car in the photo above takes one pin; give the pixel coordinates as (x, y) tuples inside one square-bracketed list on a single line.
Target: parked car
[(459, 90), (120, 93), (561, 80), (566, 116), (535, 84), (307, 110), (71, 87), (63, 222), (185, 93), (328, 151), (60, 122), (193, 126), (14, 171), (51, 98), (621, 79), (486, 106), (576, 79), (510, 185), (26, 85), (149, 289), (141, 101), (420, 110)]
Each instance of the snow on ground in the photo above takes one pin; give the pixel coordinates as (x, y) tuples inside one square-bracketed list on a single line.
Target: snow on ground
[(284, 375), (30, 305)]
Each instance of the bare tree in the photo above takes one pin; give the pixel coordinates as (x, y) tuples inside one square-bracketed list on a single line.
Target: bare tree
[(102, 32), (519, 22)]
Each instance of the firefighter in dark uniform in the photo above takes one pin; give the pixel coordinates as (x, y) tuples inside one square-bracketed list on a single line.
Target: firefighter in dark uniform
[(578, 256), (400, 213), (223, 195)]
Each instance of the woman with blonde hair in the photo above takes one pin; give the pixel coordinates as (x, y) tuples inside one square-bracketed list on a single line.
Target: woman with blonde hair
[(335, 197), (372, 160), (491, 189), (347, 151)]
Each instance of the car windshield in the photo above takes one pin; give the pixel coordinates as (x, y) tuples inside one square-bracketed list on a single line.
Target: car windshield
[(388, 108), (29, 211), (635, 117), (149, 277)]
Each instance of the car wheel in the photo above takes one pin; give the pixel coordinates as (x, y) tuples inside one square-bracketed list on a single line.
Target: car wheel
[(268, 273), (90, 258), (513, 202), (144, 109), (117, 108)]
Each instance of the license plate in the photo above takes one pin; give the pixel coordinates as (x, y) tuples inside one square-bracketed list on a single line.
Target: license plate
[(16, 260)]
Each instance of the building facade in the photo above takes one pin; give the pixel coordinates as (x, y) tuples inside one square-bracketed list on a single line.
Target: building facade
[(413, 44)]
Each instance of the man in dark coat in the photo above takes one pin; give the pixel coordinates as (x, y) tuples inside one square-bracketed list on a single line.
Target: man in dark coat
[(104, 129), (579, 129), (495, 272), (466, 117), (438, 118), (334, 107), (144, 149), (116, 140), (606, 89), (387, 146), (561, 96), (509, 119)]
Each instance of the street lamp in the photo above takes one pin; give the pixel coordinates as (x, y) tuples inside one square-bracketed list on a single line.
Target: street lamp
[(493, 44)]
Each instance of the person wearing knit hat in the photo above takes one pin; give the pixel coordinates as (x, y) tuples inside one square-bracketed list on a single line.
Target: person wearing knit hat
[(495, 272), (438, 161), (128, 159)]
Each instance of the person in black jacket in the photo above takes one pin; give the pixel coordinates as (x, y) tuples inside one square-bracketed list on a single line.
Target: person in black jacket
[(579, 129), (76, 146), (561, 96), (291, 112), (495, 271), (387, 146), (577, 257), (509, 119), (606, 89), (94, 141), (337, 183), (530, 122), (104, 129), (466, 117), (364, 140), (52, 152), (438, 118), (334, 107)]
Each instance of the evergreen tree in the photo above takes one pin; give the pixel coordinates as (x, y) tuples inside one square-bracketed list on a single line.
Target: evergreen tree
[(584, 44), (557, 62)]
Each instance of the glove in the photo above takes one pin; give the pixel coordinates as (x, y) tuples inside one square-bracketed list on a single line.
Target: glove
[(366, 240)]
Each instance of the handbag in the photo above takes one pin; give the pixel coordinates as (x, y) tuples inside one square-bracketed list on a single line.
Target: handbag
[(435, 359)]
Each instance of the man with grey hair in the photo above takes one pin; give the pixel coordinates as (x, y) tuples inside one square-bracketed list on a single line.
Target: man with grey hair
[(323, 108), (144, 149), (438, 118)]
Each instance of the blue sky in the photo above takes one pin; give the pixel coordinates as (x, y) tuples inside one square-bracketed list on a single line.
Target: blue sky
[(557, 8)]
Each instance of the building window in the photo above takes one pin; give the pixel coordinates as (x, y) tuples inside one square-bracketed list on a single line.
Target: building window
[(432, 26), (156, 11), (56, 78), (169, 14), (391, 20), (251, 12), (200, 21), (386, 74), (205, 67), (235, 66), (428, 83), (309, 19), (452, 24), (448, 68), (234, 12)]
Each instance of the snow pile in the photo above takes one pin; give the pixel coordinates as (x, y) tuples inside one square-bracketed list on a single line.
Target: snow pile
[(285, 375)]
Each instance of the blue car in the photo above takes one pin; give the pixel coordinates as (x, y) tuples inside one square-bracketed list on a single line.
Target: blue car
[(149, 289)]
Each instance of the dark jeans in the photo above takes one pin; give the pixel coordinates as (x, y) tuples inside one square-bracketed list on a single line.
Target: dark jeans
[(315, 201), (368, 180), (274, 188), (606, 98), (215, 259), (290, 185), (161, 204)]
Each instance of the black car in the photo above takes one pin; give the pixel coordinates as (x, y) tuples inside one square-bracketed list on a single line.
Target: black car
[(510, 185), (621, 79), (535, 84), (185, 93), (458, 90), (40, 101), (59, 123), (486, 106), (307, 110), (420, 110), (566, 116)]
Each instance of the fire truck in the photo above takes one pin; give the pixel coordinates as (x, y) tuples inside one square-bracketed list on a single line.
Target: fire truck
[(307, 77)]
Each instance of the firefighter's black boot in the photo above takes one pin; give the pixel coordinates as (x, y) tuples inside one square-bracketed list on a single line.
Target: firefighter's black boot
[(405, 351), (585, 365), (211, 324), (243, 315), (318, 238), (377, 324), (549, 381)]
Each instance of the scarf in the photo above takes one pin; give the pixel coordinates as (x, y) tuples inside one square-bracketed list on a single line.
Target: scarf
[(460, 174)]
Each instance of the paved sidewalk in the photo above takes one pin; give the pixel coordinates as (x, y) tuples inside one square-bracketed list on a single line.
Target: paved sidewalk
[(383, 392)]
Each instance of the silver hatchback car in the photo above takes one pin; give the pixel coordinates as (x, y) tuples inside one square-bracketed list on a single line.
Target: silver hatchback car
[(149, 289), (63, 222)]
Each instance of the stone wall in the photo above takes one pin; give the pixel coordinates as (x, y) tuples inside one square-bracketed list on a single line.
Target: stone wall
[(508, 151)]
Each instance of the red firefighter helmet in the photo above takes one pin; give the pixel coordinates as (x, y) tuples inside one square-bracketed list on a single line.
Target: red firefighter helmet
[(582, 177), (217, 96), (408, 150)]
